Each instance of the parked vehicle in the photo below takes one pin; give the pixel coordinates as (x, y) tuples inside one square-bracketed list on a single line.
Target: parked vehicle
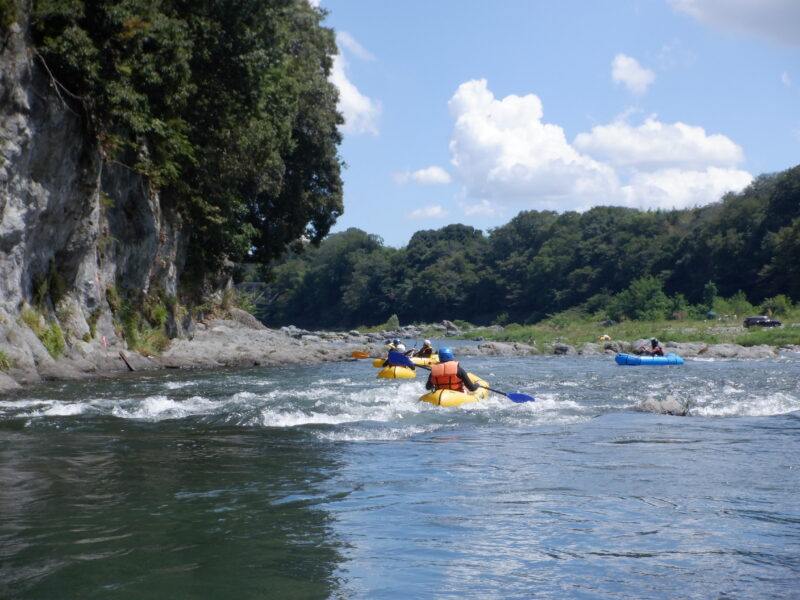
[(762, 321)]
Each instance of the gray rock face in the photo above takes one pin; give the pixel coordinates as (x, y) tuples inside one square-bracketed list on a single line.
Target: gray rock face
[(502, 349), (72, 223)]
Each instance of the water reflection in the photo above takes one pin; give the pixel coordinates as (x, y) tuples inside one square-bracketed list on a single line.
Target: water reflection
[(186, 513)]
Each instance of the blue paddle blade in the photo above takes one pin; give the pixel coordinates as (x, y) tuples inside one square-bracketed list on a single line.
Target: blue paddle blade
[(521, 398)]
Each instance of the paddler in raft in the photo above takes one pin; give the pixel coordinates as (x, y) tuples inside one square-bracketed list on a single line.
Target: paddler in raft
[(396, 346), (425, 351), (449, 375), (655, 349)]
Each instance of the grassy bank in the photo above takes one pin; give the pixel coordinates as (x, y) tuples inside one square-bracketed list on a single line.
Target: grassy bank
[(577, 331), (575, 328)]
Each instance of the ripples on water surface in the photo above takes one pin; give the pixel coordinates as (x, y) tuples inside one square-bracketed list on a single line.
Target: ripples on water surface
[(324, 482)]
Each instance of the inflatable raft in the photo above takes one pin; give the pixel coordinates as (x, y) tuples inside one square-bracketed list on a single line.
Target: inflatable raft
[(392, 372), (420, 362), (634, 359), (456, 398), (433, 359)]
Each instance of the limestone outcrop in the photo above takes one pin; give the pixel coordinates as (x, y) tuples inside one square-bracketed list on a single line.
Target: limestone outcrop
[(73, 225)]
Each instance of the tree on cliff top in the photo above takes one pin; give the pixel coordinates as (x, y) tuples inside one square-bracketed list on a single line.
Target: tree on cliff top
[(224, 104)]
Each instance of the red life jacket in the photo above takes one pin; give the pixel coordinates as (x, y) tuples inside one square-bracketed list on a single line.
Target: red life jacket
[(443, 376)]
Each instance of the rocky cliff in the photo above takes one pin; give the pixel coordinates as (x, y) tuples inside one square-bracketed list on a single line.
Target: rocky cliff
[(76, 230)]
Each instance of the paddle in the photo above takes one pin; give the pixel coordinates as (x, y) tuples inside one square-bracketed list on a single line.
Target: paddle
[(519, 398)]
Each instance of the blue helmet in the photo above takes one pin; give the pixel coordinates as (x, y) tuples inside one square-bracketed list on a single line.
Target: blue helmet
[(396, 341), (445, 354)]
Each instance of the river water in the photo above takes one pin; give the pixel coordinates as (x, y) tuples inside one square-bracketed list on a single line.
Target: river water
[(324, 482)]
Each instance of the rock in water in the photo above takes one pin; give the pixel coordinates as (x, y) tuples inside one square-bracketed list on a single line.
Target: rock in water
[(668, 406)]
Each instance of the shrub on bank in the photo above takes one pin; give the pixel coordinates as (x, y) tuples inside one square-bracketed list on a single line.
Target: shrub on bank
[(5, 361), (784, 336)]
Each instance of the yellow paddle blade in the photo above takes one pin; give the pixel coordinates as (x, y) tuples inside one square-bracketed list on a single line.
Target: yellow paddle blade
[(357, 354)]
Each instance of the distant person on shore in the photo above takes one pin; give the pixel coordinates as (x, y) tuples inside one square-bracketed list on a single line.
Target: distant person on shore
[(449, 375), (655, 349)]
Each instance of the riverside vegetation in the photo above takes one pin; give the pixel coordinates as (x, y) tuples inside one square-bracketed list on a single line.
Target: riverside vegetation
[(576, 328), (582, 329)]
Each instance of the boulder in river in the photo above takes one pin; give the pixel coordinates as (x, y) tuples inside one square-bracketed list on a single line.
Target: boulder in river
[(668, 406)]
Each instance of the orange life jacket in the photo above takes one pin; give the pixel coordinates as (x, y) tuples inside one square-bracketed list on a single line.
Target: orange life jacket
[(443, 376)]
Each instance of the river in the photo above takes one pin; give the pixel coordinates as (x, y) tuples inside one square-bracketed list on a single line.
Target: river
[(322, 481)]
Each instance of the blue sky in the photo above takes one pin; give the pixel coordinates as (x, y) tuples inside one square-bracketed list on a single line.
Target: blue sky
[(471, 111)]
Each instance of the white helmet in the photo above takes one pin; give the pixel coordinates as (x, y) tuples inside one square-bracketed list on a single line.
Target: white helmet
[(426, 342), (400, 347)]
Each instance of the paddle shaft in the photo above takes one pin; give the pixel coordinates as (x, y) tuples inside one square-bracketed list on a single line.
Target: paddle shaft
[(486, 387)]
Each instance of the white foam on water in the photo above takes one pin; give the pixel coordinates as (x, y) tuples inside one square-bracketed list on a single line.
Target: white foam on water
[(384, 434), (730, 388), (23, 403), (340, 381), (158, 408), (334, 406), (244, 396), (26, 407), (176, 385), (554, 402), (43, 408), (724, 405), (572, 384), (276, 418), (61, 409)]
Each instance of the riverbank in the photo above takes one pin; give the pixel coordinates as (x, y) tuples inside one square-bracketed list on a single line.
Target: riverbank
[(239, 340)]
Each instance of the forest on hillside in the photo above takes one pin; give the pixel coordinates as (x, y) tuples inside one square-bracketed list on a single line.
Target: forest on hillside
[(618, 263)]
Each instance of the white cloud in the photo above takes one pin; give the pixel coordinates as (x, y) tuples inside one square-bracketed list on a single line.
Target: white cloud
[(430, 176), (503, 152), (428, 212), (654, 144), (501, 149), (484, 207), (345, 40), (676, 188), (776, 20), (628, 71), (785, 79), (360, 112)]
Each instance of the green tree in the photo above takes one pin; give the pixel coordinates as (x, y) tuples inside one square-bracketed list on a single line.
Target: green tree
[(224, 104), (644, 299), (776, 306), (735, 305), (709, 294)]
